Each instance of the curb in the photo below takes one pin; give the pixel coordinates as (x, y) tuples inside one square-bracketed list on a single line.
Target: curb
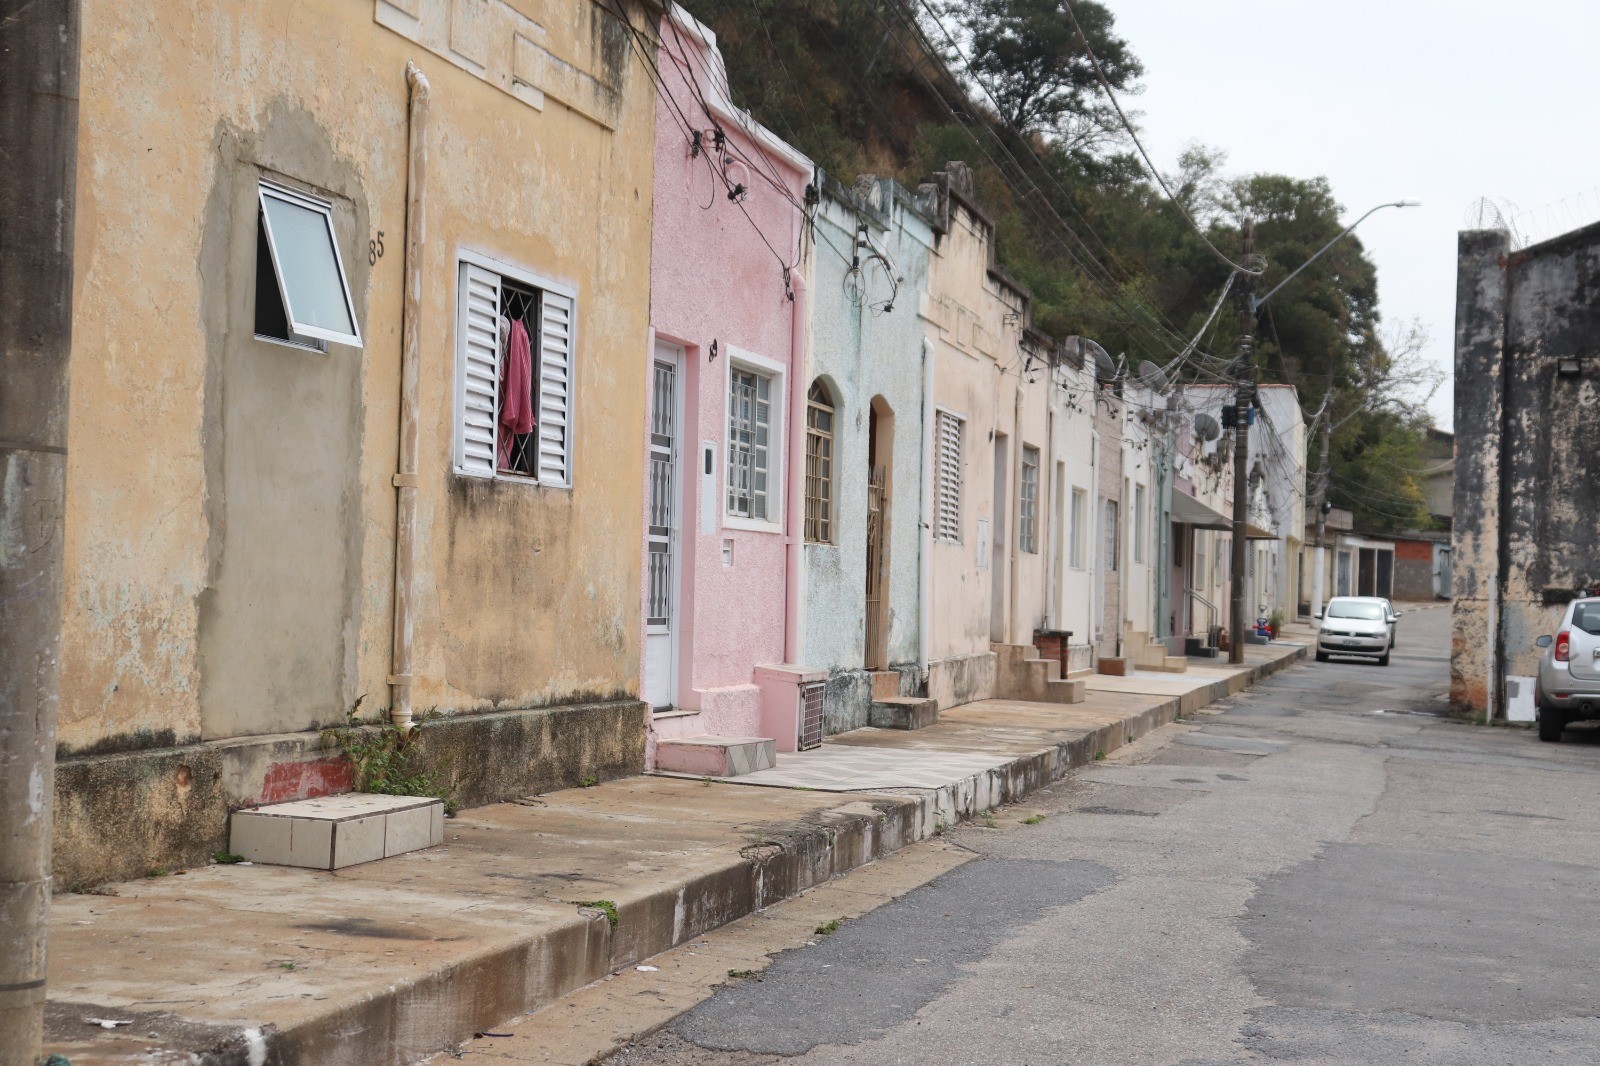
[(416, 1018)]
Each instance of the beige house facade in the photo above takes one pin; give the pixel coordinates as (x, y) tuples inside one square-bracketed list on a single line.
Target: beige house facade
[(292, 489)]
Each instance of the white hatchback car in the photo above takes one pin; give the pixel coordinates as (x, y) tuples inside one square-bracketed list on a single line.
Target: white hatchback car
[(1357, 625)]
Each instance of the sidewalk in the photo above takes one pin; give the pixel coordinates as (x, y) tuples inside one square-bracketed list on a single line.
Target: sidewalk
[(525, 902)]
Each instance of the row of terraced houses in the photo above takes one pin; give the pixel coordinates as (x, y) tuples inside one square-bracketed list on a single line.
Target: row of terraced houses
[(483, 366)]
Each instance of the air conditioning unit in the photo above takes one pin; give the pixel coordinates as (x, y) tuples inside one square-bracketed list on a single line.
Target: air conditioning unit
[(791, 705)]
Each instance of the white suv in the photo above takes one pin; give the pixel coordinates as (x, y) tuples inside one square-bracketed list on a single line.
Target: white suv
[(1568, 689)]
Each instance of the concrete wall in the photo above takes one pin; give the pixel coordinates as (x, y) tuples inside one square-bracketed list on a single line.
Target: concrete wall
[(865, 349), (1109, 550), (715, 279), (1479, 339), (230, 528), (1413, 570), (1074, 451), (1526, 472), (1138, 471)]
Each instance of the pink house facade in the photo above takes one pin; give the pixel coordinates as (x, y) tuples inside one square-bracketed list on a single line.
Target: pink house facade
[(725, 414)]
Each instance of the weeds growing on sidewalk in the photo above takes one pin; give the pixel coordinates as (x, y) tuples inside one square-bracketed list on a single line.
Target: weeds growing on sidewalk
[(828, 928), (604, 905), (384, 758)]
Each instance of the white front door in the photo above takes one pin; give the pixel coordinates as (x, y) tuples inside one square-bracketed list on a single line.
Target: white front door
[(661, 601)]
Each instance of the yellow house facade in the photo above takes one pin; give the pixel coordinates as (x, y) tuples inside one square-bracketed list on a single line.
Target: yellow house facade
[(311, 461)]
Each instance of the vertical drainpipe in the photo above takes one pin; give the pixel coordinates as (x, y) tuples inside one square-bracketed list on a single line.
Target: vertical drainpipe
[(797, 440), (925, 557), (1014, 526), (405, 480)]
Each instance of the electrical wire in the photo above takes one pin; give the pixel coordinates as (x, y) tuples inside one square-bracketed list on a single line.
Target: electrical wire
[(1134, 136)]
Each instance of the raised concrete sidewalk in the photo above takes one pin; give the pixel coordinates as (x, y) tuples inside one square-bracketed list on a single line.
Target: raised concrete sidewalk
[(390, 961)]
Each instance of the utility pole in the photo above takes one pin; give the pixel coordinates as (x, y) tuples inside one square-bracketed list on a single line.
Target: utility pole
[(1244, 373), (38, 166), (1318, 580)]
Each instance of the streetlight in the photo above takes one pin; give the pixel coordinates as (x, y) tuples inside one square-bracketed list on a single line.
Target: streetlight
[(1255, 304), (1244, 396)]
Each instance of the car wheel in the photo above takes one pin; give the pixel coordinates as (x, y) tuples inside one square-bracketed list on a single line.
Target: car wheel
[(1551, 723), (1383, 660), (1322, 656)]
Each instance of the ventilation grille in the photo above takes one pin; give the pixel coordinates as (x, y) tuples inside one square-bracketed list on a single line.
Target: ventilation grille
[(810, 716)]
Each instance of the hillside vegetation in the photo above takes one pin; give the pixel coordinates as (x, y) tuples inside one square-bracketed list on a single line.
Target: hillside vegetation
[(898, 87)]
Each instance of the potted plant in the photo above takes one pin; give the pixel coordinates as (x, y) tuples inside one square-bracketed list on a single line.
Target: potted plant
[(1275, 623)]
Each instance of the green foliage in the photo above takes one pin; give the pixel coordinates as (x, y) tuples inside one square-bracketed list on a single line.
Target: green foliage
[(861, 87), (226, 858), (828, 928), (1037, 70), (1033, 819), (606, 906), (384, 758)]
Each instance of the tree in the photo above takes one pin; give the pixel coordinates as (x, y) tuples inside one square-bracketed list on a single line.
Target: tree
[(1031, 60)]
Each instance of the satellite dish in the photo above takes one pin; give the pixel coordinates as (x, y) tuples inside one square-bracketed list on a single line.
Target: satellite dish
[(1086, 351), (1151, 375), (1206, 427)]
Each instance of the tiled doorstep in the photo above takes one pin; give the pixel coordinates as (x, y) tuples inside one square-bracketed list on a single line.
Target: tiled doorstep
[(333, 832)]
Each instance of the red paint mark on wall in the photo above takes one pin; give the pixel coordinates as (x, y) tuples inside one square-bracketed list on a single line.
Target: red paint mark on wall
[(286, 781)]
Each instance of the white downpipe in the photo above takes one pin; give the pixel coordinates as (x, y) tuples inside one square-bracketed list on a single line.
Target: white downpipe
[(925, 560)]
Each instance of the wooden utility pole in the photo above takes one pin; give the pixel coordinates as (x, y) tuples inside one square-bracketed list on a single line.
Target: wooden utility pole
[(1244, 372), (38, 165)]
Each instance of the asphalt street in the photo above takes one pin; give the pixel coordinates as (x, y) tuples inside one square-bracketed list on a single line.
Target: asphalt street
[(1325, 872)]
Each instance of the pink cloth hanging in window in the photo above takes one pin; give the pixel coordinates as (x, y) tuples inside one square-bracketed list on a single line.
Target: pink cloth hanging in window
[(516, 400)]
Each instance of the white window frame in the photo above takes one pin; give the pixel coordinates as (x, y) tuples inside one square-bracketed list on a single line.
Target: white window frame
[(1111, 539), (1028, 501), (266, 189), (777, 480), (947, 517), (1077, 554), (522, 276)]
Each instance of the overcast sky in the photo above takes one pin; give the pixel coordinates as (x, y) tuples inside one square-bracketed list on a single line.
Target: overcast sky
[(1433, 101)]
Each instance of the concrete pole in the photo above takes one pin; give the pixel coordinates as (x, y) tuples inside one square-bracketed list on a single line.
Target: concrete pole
[(1244, 396), (1318, 582), (38, 166)]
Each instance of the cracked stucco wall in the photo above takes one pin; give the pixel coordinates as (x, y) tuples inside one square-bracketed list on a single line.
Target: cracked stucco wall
[(1527, 475)]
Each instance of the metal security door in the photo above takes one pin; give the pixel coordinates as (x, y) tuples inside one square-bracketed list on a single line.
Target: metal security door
[(661, 657), (874, 635)]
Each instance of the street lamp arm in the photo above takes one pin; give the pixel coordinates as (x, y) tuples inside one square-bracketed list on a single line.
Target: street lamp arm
[(1255, 304)]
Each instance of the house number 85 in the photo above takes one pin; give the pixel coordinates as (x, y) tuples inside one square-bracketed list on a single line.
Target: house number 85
[(375, 249)]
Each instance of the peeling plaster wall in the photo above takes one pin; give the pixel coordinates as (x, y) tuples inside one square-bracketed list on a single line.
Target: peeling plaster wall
[(1072, 411), (1480, 334), (860, 351), (1527, 470), (230, 514), (714, 279), (975, 319)]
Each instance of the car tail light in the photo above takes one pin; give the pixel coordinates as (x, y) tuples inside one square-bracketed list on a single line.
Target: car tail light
[(1563, 646)]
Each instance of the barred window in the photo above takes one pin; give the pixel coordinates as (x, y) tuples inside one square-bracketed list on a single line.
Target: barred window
[(749, 443), (1028, 519), (819, 465), (947, 443)]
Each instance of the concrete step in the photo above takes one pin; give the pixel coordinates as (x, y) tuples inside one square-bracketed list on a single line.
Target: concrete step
[(1114, 667), (1059, 691), (885, 683), (903, 712), (1169, 664), (716, 756), (333, 832)]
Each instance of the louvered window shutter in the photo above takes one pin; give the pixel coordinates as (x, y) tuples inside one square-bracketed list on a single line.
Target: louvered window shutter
[(477, 370), (948, 525), (555, 388)]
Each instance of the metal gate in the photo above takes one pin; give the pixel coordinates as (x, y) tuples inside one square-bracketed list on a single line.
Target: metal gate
[(810, 716), (875, 508)]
